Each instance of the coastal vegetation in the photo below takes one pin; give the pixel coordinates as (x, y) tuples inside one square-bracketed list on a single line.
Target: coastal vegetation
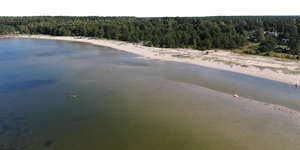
[(262, 35)]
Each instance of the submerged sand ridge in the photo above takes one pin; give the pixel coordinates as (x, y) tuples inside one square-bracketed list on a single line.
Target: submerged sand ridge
[(286, 71)]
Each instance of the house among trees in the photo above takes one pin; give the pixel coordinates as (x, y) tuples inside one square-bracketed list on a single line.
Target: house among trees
[(285, 41), (273, 34)]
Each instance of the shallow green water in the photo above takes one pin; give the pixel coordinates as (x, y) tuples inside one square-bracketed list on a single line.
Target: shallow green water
[(127, 103)]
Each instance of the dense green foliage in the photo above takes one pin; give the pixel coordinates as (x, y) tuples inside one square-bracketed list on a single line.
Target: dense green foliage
[(268, 44), (295, 46), (184, 32)]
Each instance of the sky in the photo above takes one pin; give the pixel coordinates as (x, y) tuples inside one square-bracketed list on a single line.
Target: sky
[(148, 8)]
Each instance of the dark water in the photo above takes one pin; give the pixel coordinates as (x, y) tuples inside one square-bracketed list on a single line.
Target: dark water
[(60, 95)]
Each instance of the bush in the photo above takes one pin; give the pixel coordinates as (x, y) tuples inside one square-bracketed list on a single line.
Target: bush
[(267, 45)]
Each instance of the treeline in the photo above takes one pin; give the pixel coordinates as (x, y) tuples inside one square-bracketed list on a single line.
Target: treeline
[(184, 32)]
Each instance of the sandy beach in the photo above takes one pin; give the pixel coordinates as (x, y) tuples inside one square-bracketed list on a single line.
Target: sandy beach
[(281, 70)]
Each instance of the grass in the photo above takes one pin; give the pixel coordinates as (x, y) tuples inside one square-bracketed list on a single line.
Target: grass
[(252, 49)]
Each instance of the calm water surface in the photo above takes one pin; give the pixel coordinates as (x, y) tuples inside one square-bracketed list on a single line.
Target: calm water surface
[(71, 96)]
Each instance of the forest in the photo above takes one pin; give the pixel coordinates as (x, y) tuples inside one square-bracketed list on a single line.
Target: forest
[(264, 35)]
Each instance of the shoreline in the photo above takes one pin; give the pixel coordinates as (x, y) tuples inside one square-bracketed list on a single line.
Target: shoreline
[(284, 71), (167, 54)]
